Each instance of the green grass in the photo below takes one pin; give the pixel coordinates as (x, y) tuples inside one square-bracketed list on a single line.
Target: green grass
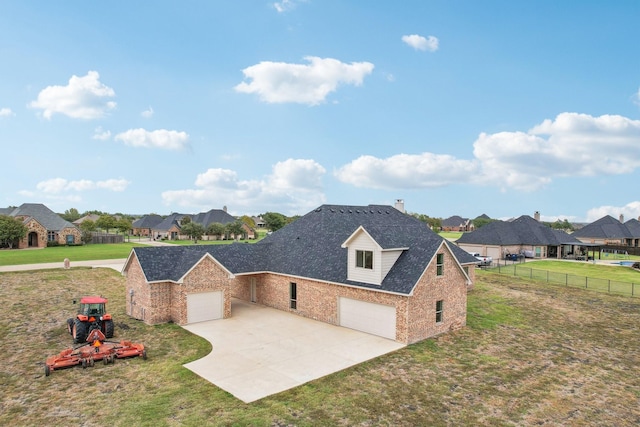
[(59, 253), (451, 235), (587, 269), (531, 354)]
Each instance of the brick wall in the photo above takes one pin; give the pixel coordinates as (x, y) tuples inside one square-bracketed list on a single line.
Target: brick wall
[(150, 303), (450, 288)]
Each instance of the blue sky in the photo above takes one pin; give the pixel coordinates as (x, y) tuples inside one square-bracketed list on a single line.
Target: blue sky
[(458, 107)]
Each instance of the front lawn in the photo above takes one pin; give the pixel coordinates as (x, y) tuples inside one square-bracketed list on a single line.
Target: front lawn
[(59, 253), (531, 354)]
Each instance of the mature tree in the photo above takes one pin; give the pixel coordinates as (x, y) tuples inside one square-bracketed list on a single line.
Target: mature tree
[(480, 222), (185, 220), (193, 230), (87, 228), (560, 225), (248, 220), (215, 229), (236, 229), (106, 222), (274, 221), (71, 214), (124, 225), (434, 223), (11, 231), (292, 218)]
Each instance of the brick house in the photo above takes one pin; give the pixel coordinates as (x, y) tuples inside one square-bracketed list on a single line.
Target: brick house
[(370, 268), (43, 226)]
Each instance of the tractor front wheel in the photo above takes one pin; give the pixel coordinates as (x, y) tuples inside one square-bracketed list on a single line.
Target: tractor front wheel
[(79, 331), (70, 326), (108, 328)]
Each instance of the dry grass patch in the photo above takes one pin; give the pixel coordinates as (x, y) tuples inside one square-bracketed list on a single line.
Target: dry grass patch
[(531, 354)]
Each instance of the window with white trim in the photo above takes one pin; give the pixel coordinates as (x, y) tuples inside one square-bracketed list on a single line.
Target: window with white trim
[(364, 259)]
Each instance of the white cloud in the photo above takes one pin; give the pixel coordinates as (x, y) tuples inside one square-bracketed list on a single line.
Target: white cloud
[(417, 42), (424, 170), (161, 138), (148, 113), (101, 134), (284, 5), (293, 186), (280, 82), (83, 98), (630, 210), (60, 185), (572, 145), (6, 112)]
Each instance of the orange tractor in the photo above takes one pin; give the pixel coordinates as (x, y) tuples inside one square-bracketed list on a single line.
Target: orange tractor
[(92, 314)]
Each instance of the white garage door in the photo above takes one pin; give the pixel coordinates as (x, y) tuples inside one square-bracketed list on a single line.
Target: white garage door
[(204, 306), (376, 319)]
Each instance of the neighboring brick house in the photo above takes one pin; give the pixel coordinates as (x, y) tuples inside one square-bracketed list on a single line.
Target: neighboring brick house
[(371, 268), (144, 226), (524, 235), (43, 226), (610, 231), (456, 223)]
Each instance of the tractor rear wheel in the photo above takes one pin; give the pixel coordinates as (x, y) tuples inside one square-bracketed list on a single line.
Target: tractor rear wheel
[(79, 331), (108, 328)]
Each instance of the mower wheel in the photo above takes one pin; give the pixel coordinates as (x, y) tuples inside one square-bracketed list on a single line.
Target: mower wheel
[(108, 328), (47, 370), (144, 354), (79, 331), (91, 362), (105, 360), (84, 363)]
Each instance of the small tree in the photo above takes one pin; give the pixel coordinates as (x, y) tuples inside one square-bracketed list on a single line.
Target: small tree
[(274, 221), (248, 220), (236, 229), (87, 228), (11, 231), (124, 225), (106, 222), (215, 229), (71, 214), (193, 230)]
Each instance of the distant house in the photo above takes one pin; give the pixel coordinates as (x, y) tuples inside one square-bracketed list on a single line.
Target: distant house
[(523, 235), (370, 268), (43, 226), (171, 226), (144, 226), (456, 223), (90, 217), (610, 231)]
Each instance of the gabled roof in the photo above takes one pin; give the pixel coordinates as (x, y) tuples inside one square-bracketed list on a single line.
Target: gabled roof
[(45, 216), (310, 247), (523, 230), (147, 221), (606, 227), (169, 222)]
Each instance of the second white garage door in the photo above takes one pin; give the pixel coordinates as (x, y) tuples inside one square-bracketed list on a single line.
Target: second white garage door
[(372, 318), (204, 306)]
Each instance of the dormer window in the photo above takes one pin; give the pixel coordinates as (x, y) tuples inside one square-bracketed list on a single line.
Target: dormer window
[(364, 259)]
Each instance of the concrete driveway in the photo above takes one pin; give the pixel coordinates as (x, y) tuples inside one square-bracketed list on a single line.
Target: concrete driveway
[(261, 351)]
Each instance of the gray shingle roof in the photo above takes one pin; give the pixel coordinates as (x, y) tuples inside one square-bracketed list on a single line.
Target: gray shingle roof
[(521, 231), (633, 225), (311, 247), (213, 216), (147, 221), (45, 216), (606, 227)]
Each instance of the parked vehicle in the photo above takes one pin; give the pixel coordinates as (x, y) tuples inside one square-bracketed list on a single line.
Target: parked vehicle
[(485, 261)]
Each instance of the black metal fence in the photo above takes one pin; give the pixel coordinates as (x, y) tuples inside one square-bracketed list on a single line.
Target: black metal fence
[(591, 283)]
